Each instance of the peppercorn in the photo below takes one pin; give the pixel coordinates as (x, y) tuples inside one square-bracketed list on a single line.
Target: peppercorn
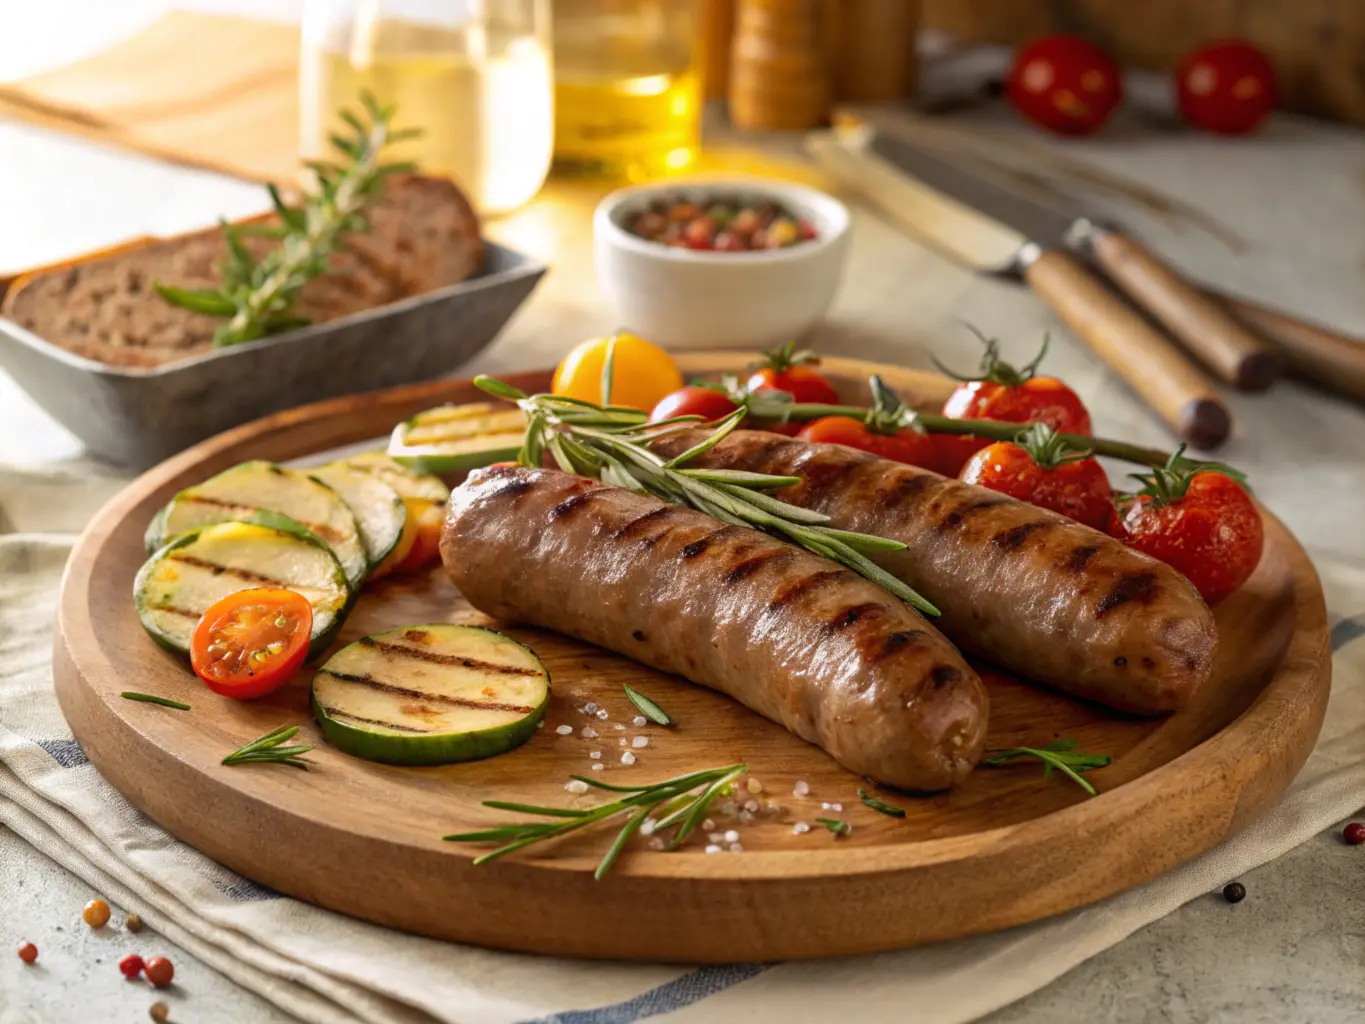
[(160, 1012), (96, 914), (1234, 892), (131, 966), (159, 971), (28, 952), (133, 923), (1354, 833)]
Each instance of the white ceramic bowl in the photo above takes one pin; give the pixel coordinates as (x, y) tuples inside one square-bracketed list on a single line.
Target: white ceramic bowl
[(683, 298)]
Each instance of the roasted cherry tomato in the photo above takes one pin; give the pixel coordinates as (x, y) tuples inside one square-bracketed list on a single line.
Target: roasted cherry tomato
[(1199, 521), (642, 373), (1064, 83), (1226, 87), (252, 642), (908, 446), (693, 400), (1001, 392), (1046, 472)]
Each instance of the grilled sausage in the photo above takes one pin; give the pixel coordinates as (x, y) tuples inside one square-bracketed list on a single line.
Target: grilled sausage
[(1033, 591), (802, 641)]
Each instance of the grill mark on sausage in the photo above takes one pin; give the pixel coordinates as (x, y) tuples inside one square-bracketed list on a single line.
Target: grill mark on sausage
[(1131, 586), (436, 658), (944, 675), (640, 522), (639, 635), (757, 454), (907, 487), (696, 547), (226, 570), (856, 613), (338, 713), (893, 642), (804, 585), (571, 504), (750, 566), (434, 698), (822, 477), (1013, 538), (1080, 557), (960, 514), (511, 490)]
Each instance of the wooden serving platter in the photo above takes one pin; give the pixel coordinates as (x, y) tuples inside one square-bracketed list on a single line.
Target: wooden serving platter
[(1005, 848)]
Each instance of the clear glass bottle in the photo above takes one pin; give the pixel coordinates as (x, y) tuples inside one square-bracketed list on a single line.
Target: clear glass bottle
[(627, 87), (474, 75)]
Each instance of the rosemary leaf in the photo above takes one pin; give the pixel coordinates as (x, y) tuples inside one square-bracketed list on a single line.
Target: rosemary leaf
[(836, 825), (880, 805), (147, 698), (1060, 754), (267, 749), (647, 707)]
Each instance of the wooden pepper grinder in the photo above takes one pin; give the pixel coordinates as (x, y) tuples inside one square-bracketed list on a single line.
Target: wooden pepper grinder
[(779, 74), (874, 50)]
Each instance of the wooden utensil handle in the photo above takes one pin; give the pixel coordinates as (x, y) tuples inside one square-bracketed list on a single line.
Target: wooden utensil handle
[(1333, 360), (1227, 348), (1167, 381)]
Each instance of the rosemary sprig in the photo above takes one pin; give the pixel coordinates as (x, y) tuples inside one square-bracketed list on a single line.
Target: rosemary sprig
[(257, 297), (611, 443), (267, 750), (1060, 754), (647, 707), (879, 805), (148, 698), (836, 825), (685, 800)]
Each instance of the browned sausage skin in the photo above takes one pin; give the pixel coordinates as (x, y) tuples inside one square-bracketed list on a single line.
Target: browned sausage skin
[(800, 640), (1033, 591)]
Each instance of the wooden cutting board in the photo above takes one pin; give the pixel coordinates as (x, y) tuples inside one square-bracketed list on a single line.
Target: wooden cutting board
[(1005, 848), (202, 89)]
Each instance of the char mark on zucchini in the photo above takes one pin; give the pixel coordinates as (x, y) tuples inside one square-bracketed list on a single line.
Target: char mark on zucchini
[(226, 570), (434, 698), (338, 713), (436, 658)]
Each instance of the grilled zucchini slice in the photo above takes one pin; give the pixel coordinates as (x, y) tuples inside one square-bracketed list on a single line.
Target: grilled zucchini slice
[(379, 511), (427, 695), (407, 482), (242, 491), (454, 439), (178, 583)]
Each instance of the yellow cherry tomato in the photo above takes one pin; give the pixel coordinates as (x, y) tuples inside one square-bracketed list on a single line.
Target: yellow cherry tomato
[(641, 373)]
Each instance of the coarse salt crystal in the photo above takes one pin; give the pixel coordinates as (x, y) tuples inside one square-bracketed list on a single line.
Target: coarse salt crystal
[(589, 733), (590, 708), (716, 837), (576, 786), (754, 786), (596, 755), (618, 726), (836, 807), (800, 828), (627, 758), (656, 843), (602, 714), (640, 741), (639, 721), (647, 826), (565, 730), (713, 848), (751, 806), (623, 741), (732, 836), (708, 825), (597, 767), (826, 806), (540, 724), (728, 808), (802, 788), (745, 816), (736, 848)]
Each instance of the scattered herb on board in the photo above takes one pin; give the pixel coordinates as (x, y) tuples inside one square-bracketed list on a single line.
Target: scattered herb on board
[(647, 707), (879, 805), (267, 750), (257, 297), (836, 825), (611, 443), (147, 698), (681, 803), (1060, 754)]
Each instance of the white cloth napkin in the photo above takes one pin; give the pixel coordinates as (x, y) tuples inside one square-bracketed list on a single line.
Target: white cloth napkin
[(330, 969)]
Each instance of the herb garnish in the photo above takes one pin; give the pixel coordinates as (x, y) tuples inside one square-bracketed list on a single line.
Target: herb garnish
[(836, 825), (878, 805), (647, 707), (611, 443), (267, 750), (1060, 754), (682, 803), (258, 297), (148, 698)]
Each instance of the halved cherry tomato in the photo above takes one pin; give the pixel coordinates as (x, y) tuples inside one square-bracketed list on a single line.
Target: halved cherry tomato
[(908, 446), (1199, 521), (252, 642), (642, 373), (1047, 474), (1001, 392), (693, 400), (427, 519)]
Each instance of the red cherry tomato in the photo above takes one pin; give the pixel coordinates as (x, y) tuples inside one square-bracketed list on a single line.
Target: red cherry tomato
[(908, 446), (1226, 87), (1001, 392), (693, 400), (252, 642), (794, 372), (1075, 487), (1065, 84), (159, 971), (1202, 523)]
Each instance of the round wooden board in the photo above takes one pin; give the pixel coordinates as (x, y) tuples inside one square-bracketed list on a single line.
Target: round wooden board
[(1005, 848)]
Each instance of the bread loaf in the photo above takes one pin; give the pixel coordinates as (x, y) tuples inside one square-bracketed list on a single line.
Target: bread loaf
[(423, 235)]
